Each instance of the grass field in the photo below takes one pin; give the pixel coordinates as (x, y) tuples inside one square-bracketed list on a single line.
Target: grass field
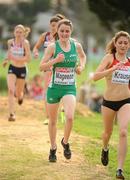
[(90, 127), (33, 68), (24, 147), (25, 144)]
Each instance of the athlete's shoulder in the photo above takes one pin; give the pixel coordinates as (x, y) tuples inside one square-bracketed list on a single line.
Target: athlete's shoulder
[(51, 46), (43, 35), (10, 41), (77, 44), (26, 41), (73, 39), (109, 56)]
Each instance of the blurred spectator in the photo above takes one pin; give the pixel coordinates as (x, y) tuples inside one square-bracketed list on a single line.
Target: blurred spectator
[(82, 92), (35, 88), (88, 95), (95, 102)]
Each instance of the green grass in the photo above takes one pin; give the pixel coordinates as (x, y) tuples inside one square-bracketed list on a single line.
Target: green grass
[(85, 76), (18, 162), (92, 128), (33, 69)]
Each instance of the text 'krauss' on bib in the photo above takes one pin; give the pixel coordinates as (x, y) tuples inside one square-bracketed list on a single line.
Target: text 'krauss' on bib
[(64, 76), (121, 77)]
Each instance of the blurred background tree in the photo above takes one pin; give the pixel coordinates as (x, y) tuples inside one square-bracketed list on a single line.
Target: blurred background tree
[(90, 17), (85, 22), (21, 12), (24, 11), (114, 14)]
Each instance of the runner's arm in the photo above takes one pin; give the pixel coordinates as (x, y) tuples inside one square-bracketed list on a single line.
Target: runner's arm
[(82, 58), (103, 69), (38, 45), (47, 60), (6, 60)]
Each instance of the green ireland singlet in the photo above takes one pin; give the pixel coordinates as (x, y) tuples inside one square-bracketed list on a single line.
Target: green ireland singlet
[(63, 74)]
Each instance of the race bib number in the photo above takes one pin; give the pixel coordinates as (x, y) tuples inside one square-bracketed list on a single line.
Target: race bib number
[(17, 51), (64, 76), (121, 76)]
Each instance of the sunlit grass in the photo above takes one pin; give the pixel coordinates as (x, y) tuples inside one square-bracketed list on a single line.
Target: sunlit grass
[(92, 128), (33, 69)]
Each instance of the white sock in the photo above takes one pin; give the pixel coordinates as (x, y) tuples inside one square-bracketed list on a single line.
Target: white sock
[(105, 149)]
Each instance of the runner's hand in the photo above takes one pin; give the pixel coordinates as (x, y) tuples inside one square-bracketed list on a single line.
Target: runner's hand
[(60, 58), (5, 62), (79, 69), (117, 66), (36, 54)]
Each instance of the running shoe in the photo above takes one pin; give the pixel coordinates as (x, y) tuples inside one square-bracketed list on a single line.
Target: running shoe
[(52, 155), (11, 117), (119, 174), (67, 151), (46, 121), (105, 157), (20, 101)]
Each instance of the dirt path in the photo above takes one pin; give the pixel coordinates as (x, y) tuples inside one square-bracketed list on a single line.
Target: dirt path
[(24, 146)]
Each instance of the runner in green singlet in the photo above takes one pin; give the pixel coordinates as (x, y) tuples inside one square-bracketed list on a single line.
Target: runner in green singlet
[(45, 39), (63, 55)]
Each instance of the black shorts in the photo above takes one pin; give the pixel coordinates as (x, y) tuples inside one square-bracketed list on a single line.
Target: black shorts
[(20, 72), (115, 105)]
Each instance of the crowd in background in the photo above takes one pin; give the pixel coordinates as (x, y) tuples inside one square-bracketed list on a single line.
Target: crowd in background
[(89, 96)]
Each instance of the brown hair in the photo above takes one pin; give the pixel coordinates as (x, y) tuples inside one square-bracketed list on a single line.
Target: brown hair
[(60, 16), (54, 19), (26, 30), (110, 48), (66, 22)]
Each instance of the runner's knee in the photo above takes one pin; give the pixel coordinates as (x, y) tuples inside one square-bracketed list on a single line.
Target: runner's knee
[(107, 135), (69, 118), (52, 123), (11, 91), (123, 133)]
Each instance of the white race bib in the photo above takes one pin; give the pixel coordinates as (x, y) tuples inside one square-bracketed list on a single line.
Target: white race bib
[(121, 76), (64, 76), (17, 51)]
